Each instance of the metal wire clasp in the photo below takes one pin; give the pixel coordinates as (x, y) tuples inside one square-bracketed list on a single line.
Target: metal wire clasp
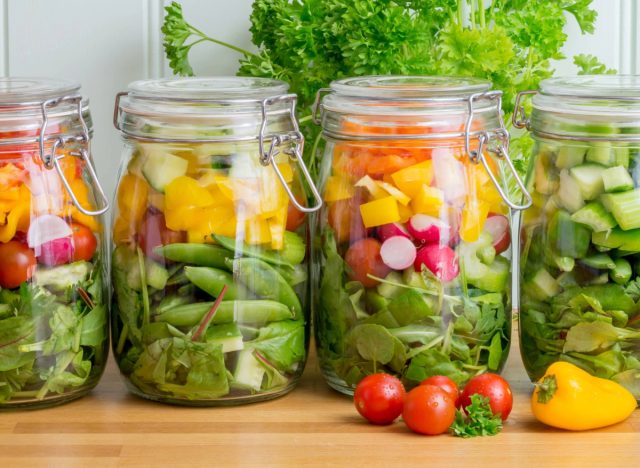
[(295, 143), (500, 149), (519, 118), (52, 160), (316, 109)]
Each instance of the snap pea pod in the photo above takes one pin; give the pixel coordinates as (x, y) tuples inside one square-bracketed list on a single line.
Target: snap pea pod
[(270, 256), (211, 281), (262, 279), (257, 312), (195, 254)]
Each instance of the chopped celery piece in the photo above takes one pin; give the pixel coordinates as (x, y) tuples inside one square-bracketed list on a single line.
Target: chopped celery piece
[(622, 156), (556, 261), (569, 239), (569, 194), (621, 274), (595, 216), (626, 241), (589, 178), (543, 286), (601, 261), (570, 156), (625, 207), (249, 371), (601, 152), (617, 179)]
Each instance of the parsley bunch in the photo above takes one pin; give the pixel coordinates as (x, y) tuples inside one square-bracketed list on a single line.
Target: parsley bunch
[(479, 421), (309, 43)]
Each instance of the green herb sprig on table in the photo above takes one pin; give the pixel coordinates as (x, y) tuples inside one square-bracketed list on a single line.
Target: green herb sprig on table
[(309, 43), (479, 420)]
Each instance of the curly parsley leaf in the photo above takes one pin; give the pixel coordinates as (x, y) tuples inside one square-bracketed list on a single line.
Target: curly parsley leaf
[(479, 421), (590, 65)]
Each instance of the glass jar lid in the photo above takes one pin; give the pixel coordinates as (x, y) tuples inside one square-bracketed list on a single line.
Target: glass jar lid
[(203, 108), (588, 107), (426, 107)]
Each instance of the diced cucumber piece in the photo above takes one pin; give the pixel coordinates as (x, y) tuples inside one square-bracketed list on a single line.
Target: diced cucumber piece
[(389, 290), (491, 277), (160, 168), (595, 216), (589, 178), (542, 286), (601, 261), (621, 273), (546, 180), (569, 194), (625, 208), (228, 335), (617, 179), (567, 279), (570, 156), (567, 238), (249, 371), (625, 241), (601, 152), (556, 261), (622, 156)]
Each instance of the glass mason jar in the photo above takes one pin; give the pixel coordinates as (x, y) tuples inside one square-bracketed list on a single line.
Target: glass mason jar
[(413, 242), (581, 254), (210, 235), (53, 303)]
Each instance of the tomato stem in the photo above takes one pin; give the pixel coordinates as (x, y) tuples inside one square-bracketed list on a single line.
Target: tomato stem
[(547, 387)]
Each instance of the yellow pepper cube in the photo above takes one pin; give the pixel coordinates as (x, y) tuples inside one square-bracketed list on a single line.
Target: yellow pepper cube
[(337, 188), (410, 179), (405, 213), (277, 227), (474, 215), (401, 197), (429, 201), (257, 231), (184, 191), (133, 192), (287, 171), (372, 186), (379, 212)]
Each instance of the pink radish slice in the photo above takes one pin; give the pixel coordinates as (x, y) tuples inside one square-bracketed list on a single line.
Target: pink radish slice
[(398, 252), (497, 226), (390, 230), (440, 259), (429, 229), (56, 252)]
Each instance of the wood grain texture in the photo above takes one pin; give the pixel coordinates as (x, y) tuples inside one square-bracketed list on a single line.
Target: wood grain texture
[(313, 425)]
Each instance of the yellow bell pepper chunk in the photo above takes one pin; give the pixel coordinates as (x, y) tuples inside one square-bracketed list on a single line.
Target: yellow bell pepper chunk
[(184, 191), (257, 231), (10, 176), (402, 198), (410, 179), (219, 220), (14, 218), (133, 192), (379, 212), (123, 230), (429, 201), (287, 171), (474, 215), (10, 195), (337, 188), (277, 227), (156, 200), (372, 186), (405, 213), (272, 193)]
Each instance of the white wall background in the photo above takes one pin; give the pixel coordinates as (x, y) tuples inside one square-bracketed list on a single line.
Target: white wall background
[(105, 44)]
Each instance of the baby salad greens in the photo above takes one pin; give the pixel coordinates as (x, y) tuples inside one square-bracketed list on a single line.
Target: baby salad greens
[(309, 43)]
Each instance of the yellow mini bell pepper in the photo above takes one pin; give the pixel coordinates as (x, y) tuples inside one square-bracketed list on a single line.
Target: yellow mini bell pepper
[(337, 188), (429, 201), (379, 212), (410, 179), (567, 397)]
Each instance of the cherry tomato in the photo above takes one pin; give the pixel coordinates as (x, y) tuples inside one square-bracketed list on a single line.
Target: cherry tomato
[(154, 233), (295, 217), (493, 387), (84, 242), (428, 410), (346, 220), (364, 258), (17, 264), (379, 398), (446, 384)]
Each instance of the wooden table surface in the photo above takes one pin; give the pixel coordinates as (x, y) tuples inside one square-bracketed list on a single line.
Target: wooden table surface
[(313, 425)]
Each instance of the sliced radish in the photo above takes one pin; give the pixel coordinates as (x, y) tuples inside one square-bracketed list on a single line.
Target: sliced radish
[(449, 175), (440, 259), (47, 228), (398, 252), (497, 226), (56, 252), (392, 229), (429, 229)]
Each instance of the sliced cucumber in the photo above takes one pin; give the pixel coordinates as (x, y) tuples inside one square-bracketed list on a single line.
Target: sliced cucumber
[(491, 277), (160, 168), (542, 286), (568, 238), (625, 207), (617, 179), (601, 152), (595, 216), (570, 193), (626, 241), (249, 371), (570, 156), (622, 156), (589, 178)]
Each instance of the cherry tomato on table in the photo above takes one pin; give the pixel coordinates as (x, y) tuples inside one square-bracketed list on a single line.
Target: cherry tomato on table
[(446, 384), (379, 398), (17, 264), (84, 242), (493, 387), (429, 410)]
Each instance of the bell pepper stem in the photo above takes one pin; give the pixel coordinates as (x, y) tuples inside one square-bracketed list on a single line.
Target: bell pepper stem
[(547, 387)]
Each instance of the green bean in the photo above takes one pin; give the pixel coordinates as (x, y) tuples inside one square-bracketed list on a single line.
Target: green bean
[(195, 254), (262, 279), (258, 312), (621, 273), (273, 257), (211, 281)]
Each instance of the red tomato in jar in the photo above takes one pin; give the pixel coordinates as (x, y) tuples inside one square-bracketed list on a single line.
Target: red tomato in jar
[(379, 398), (84, 242), (495, 388), (363, 258), (154, 233), (446, 384), (17, 264), (346, 220), (428, 410), (295, 217)]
